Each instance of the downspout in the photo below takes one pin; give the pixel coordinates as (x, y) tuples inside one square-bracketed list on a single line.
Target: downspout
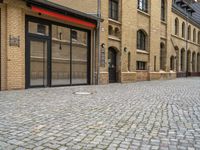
[(93, 58), (186, 45), (0, 50), (98, 42)]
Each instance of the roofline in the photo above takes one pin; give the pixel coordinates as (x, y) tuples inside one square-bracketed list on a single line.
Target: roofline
[(63, 10), (175, 10)]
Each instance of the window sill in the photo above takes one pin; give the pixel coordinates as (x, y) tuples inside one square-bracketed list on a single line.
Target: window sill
[(115, 21), (141, 70), (143, 12), (142, 51), (114, 38), (164, 22), (189, 41)]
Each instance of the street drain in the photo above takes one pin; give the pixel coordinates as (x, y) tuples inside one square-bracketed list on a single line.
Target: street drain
[(83, 93)]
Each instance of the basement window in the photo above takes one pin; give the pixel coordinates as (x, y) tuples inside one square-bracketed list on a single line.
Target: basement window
[(141, 65)]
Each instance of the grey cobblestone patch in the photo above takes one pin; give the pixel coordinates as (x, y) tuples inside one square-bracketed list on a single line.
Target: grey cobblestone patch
[(145, 115)]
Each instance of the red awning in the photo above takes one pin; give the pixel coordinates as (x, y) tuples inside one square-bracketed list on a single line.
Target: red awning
[(63, 17)]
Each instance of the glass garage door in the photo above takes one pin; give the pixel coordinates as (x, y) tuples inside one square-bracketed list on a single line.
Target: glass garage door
[(38, 62), (56, 55), (69, 59), (79, 57)]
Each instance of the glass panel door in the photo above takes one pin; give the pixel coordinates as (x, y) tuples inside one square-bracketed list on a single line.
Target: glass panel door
[(38, 62), (79, 57), (60, 55)]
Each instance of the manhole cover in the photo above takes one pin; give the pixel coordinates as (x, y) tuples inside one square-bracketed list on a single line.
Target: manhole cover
[(83, 93)]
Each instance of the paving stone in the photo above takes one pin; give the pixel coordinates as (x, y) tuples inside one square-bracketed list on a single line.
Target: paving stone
[(144, 115)]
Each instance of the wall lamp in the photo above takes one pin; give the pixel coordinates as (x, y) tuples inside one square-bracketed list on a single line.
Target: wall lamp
[(125, 49), (103, 45)]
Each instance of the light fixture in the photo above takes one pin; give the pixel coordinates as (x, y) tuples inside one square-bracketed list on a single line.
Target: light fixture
[(125, 49), (103, 45), (60, 38)]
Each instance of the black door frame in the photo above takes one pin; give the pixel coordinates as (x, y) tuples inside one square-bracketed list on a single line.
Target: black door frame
[(113, 51), (28, 62), (30, 36)]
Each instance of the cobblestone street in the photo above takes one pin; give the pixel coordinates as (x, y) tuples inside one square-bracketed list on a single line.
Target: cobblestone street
[(144, 115)]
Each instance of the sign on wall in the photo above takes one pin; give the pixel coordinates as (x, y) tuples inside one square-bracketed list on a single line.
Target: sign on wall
[(14, 41), (103, 57)]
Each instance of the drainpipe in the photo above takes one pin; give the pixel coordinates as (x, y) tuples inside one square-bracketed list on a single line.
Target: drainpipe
[(98, 42), (186, 44)]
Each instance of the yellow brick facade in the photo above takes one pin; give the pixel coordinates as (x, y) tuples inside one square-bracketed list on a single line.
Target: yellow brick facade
[(120, 35)]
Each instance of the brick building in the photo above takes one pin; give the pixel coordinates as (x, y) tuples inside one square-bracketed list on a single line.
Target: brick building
[(147, 39), (60, 43), (44, 44)]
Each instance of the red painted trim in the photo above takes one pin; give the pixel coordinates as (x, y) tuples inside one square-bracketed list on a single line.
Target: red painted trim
[(63, 17)]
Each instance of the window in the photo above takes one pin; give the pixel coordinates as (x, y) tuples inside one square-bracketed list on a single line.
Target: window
[(129, 61), (188, 61), (113, 9), (38, 28), (189, 33), (110, 30), (176, 26), (74, 35), (117, 32), (183, 30), (141, 40), (198, 62), (199, 37), (163, 9), (172, 63), (194, 35), (143, 5), (162, 56), (193, 62), (182, 59), (154, 63), (141, 65)]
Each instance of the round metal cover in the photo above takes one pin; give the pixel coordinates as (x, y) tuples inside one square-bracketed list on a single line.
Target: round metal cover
[(82, 93)]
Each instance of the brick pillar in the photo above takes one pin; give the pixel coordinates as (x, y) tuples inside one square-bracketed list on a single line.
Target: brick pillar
[(3, 49), (104, 40), (169, 51), (154, 37), (15, 54)]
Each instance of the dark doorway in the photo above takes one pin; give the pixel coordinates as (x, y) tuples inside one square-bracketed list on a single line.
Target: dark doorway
[(112, 64)]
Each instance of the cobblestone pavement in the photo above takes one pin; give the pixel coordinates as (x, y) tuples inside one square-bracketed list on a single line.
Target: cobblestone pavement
[(144, 115)]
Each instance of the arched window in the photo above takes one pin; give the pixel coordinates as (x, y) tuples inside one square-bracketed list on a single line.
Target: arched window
[(189, 33), (129, 61), (193, 62), (189, 60), (110, 30), (182, 59), (199, 37), (163, 10), (177, 59), (176, 26), (183, 30), (141, 40), (143, 5), (198, 62), (194, 35), (117, 32), (113, 9), (162, 56), (172, 63)]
